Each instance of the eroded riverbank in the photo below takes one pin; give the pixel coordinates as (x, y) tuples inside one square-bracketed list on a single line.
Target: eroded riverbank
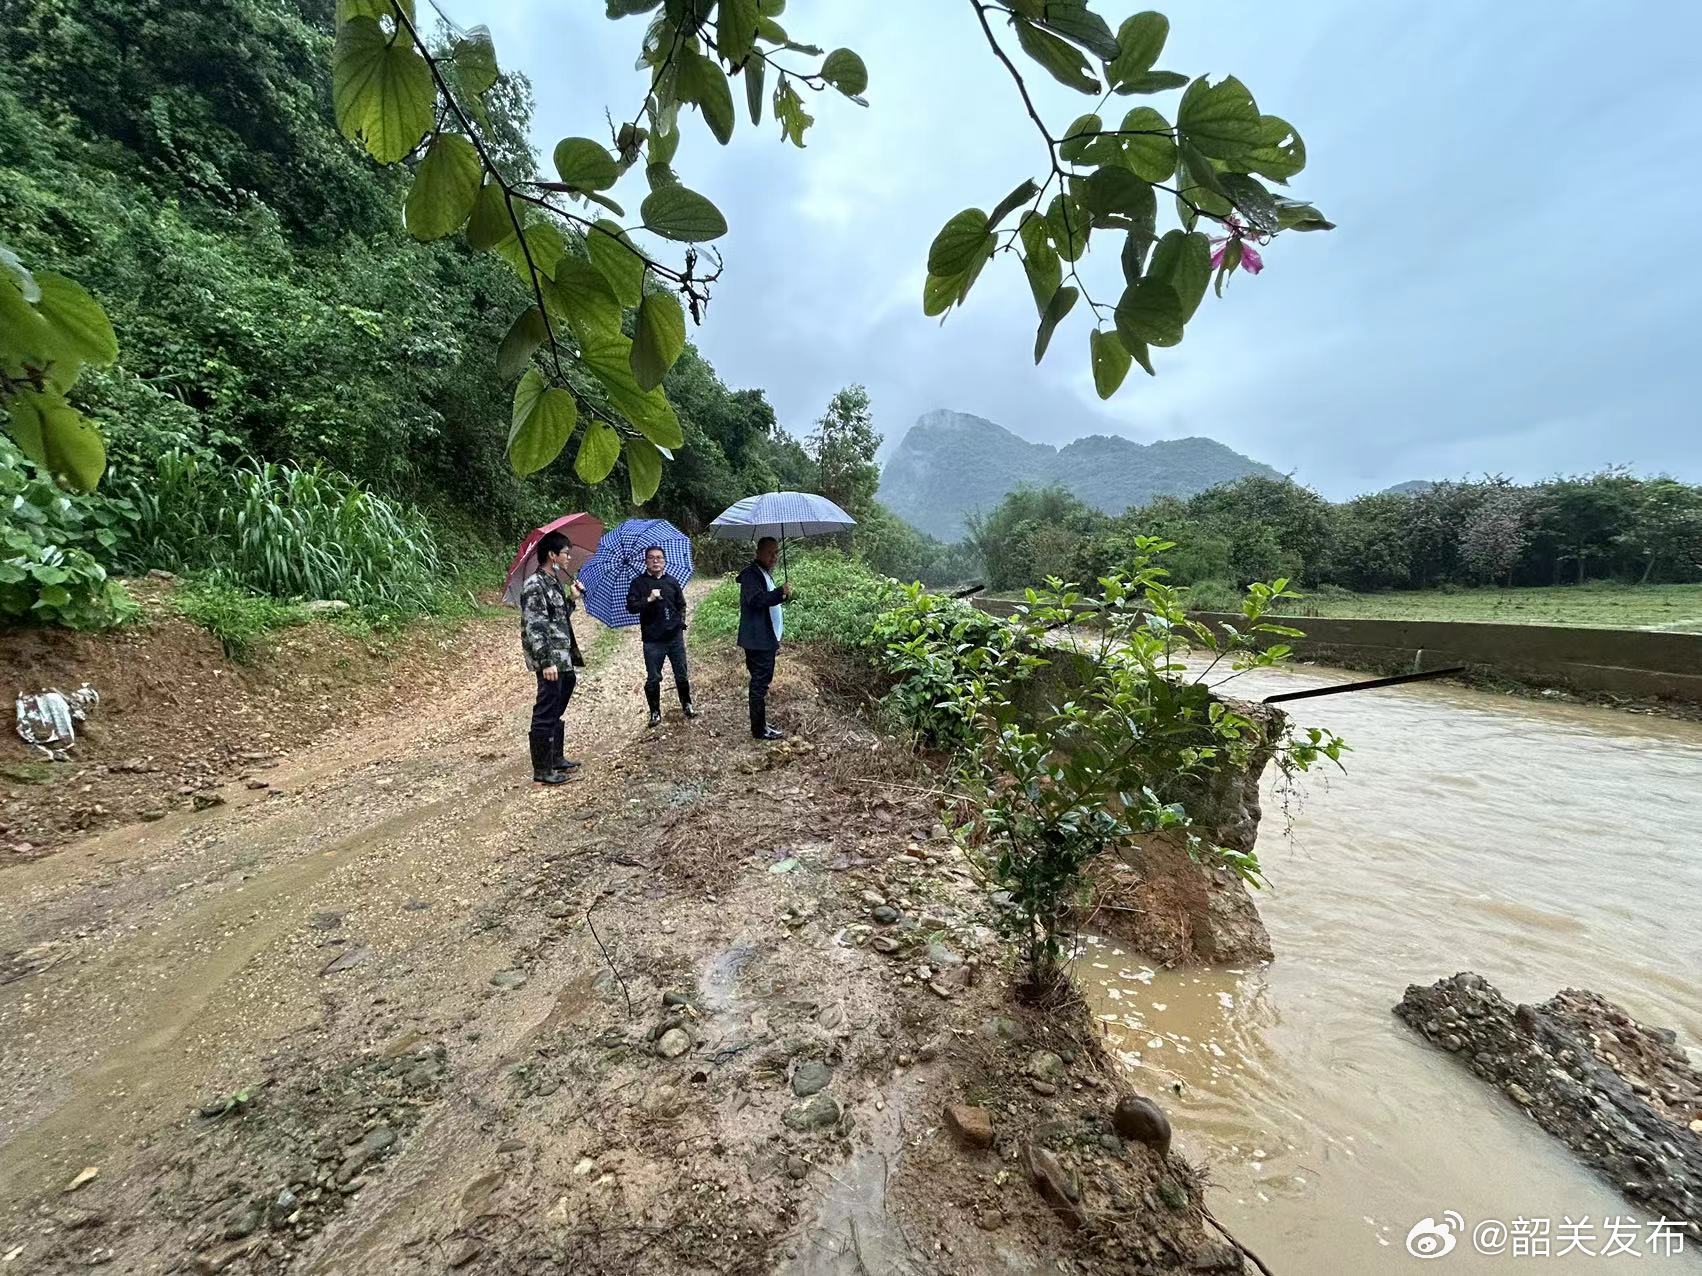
[(1543, 845)]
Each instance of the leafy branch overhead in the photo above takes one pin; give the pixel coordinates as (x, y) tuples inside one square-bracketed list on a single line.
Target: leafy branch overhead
[(617, 248), (608, 318), (1212, 160)]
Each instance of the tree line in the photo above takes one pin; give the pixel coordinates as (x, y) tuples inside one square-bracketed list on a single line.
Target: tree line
[(1611, 525)]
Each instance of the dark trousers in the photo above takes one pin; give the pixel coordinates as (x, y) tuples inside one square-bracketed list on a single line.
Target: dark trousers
[(673, 650), (546, 734), (760, 664)]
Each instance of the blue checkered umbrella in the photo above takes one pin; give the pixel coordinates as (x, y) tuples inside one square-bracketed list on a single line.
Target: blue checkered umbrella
[(619, 561)]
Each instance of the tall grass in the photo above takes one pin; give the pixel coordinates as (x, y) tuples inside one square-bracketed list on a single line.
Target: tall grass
[(285, 532)]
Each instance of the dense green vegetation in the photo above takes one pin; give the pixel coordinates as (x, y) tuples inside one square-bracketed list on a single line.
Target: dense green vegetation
[(837, 599), (306, 402), (1611, 526)]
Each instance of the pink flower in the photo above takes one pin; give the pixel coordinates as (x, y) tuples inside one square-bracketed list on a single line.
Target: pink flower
[(1251, 262)]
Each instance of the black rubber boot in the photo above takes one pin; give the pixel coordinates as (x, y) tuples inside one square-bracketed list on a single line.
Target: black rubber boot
[(542, 771), (653, 697), (557, 759), (685, 700)]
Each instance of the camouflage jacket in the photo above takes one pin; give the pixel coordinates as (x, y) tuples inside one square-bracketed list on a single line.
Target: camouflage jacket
[(546, 623)]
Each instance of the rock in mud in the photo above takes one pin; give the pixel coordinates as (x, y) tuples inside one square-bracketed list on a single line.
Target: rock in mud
[(673, 1043), (1172, 1193), (1619, 1094), (810, 1078), (885, 944), (1043, 1065), (818, 1112), (1060, 1189), (1140, 1119), (1000, 1028), (973, 1125), (797, 1169), (350, 958), (509, 980), (885, 914), (325, 921), (1215, 1256)]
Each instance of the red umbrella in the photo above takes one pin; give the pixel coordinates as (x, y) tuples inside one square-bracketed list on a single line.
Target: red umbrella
[(582, 532)]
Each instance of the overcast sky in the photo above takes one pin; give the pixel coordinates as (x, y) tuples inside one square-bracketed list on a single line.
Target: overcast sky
[(1513, 286)]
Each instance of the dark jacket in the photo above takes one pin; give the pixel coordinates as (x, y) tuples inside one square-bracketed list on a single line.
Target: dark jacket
[(660, 620), (756, 629)]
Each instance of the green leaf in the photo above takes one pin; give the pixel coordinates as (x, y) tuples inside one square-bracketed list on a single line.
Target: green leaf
[(643, 468), (19, 274), (940, 293), (446, 185), (1201, 182), (630, 8), (78, 324), (1135, 245), (1220, 119), (1114, 189), (702, 81), (1016, 199), (610, 360), (1280, 153), (523, 339), (754, 72), (585, 165), (960, 241), (735, 31), (1070, 227), (1062, 302), (348, 9), (1154, 82), (846, 72), (583, 296), (659, 336), (382, 90), (599, 450), (617, 259), (1045, 273), (491, 226), (1110, 362), (1151, 312), (1079, 138), (679, 213), (544, 417), (1296, 214), (664, 145), (1151, 156), (475, 59), (1139, 42), (1073, 20), (789, 110), (1257, 204), (1065, 62), (55, 436), (1183, 261)]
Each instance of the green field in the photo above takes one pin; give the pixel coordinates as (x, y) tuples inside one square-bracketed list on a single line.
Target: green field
[(1609, 606)]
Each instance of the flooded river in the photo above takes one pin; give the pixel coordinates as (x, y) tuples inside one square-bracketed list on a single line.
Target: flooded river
[(1543, 845)]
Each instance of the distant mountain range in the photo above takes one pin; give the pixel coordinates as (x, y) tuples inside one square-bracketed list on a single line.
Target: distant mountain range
[(1412, 487), (951, 464)]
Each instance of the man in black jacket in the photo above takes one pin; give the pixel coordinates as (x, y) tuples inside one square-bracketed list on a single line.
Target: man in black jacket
[(760, 628), (660, 605)]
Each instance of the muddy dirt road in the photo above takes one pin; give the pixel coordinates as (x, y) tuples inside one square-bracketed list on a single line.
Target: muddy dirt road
[(401, 1011)]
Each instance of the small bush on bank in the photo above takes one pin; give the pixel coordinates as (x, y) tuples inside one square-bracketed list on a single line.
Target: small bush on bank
[(237, 617), (836, 599), (51, 546)]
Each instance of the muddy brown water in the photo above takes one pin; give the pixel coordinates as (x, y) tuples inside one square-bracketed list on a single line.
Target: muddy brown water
[(1541, 844)]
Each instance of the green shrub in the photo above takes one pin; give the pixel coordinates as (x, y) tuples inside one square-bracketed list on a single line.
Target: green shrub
[(837, 600), (1213, 595), (237, 617), (934, 645), (284, 531), (51, 543)]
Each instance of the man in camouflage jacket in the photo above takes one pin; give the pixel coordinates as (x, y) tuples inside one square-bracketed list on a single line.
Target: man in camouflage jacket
[(546, 638)]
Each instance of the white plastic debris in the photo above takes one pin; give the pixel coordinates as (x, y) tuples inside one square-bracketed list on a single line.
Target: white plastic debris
[(48, 719)]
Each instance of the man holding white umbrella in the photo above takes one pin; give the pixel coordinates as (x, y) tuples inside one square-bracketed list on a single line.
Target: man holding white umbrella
[(761, 624), (770, 518)]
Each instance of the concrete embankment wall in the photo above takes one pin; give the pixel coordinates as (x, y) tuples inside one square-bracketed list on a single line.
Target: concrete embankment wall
[(1622, 662)]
